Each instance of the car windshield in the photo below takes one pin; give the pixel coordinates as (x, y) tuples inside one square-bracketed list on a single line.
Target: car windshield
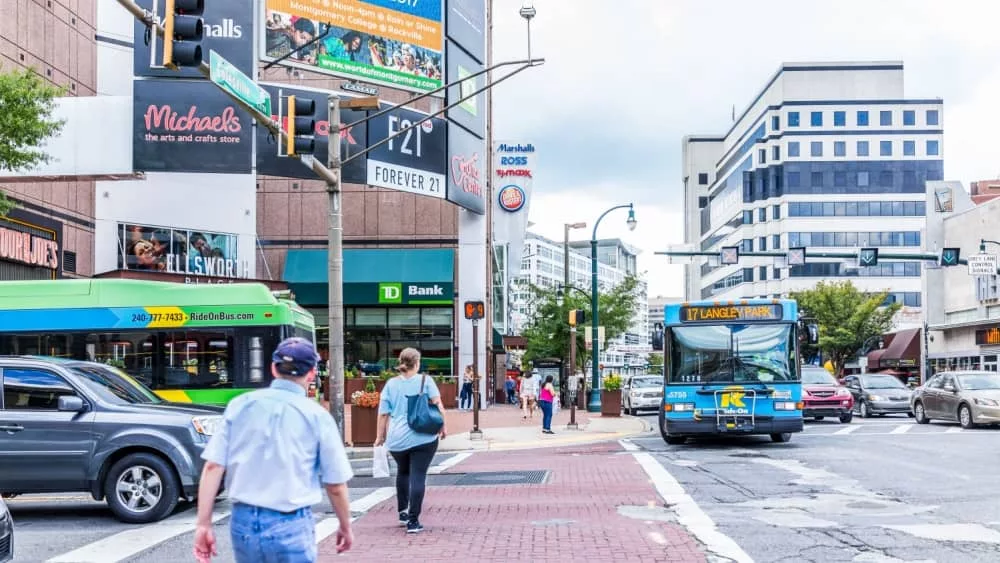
[(979, 381), (114, 385), (813, 376), (882, 382), (732, 353), (647, 382)]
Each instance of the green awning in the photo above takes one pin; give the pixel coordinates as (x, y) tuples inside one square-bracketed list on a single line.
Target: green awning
[(366, 269)]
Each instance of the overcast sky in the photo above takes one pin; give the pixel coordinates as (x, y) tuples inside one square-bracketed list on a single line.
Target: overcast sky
[(624, 81)]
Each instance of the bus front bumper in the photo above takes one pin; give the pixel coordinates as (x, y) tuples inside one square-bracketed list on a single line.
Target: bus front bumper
[(709, 425)]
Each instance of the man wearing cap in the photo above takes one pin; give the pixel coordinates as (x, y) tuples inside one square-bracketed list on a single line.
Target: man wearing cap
[(276, 448)]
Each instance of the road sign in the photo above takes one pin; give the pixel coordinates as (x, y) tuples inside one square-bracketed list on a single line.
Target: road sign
[(949, 256), (868, 257), (232, 80), (983, 264), (797, 256), (730, 255)]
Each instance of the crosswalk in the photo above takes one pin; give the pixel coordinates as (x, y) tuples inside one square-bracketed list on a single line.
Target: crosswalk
[(891, 428)]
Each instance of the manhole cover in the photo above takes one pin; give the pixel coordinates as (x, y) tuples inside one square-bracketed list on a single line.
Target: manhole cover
[(501, 478)]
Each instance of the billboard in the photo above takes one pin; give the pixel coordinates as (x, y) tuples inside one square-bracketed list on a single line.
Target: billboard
[(413, 162), (351, 141), (228, 30), (466, 26), (471, 113), (466, 164), (179, 251), (188, 126), (390, 42), (513, 169)]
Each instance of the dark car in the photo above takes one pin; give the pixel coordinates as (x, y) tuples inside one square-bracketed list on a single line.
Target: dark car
[(71, 426), (6, 534), (879, 394), (823, 396)]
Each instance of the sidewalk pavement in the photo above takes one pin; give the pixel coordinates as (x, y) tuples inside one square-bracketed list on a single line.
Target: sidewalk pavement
[(595, 504), (504, 429)]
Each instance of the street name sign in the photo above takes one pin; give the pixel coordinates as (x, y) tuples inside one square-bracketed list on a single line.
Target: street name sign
[(983, 264), (232, 80)]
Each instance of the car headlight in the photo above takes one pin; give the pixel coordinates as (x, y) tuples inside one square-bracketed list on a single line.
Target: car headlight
[(875, 398), (206, 425), (987, 402), (787, 406), (635, 394), (842, 392)]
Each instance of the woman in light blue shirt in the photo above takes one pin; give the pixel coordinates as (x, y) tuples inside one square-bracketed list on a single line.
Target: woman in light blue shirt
[(413, 451)]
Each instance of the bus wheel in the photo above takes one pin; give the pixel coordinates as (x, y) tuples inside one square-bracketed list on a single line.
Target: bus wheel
[(675, 440), (782, 437)]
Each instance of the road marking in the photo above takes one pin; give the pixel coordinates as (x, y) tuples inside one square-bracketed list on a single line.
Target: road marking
[(848, 430), (628, 446), (449, 463), (955, 430), (689, 514), (326, 527), (950, 532), (903, 429), (124, 545)]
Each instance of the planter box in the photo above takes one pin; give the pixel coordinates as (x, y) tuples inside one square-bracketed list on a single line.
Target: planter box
[(449, 394), (352, 385), (611, 403), (364, 426)]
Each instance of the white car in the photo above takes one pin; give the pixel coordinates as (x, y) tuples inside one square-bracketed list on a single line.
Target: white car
[(642, 392)]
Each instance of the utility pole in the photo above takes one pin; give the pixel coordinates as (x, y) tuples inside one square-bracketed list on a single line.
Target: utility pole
[(335, 268)]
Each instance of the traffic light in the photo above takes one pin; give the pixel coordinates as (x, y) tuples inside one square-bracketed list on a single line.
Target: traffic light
[(301, 126), (475, 310), (577, 317), (868, 257), (182, 33), (949, 256)]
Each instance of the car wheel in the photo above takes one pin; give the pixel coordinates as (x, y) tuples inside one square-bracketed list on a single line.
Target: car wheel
[(909, 414), (675, 440), (919, 414), (965, 417), (141, 488), (864, 411), (781, 437), (847, 417), (818, 417)]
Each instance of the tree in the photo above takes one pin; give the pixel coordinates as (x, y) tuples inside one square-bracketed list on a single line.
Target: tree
[(25, 123), (655, 360), (548, 332), (846, 318)]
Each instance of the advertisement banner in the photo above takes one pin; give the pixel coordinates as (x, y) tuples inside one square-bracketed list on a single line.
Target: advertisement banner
[(466, 26), (471, 113), (391, 42), (351, 141), (466, 170), (513, 169), (179, 251), (228, 30), (188, 126), (30, 245), (413, 162)]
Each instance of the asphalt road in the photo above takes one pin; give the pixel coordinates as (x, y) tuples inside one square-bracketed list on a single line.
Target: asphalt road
[(881, 490), (76, 529)]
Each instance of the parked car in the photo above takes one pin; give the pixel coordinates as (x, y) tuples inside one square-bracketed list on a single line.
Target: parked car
[(71, 426), (642, 392), (878, 394), (824, 396), (6, 533), (968, 397)]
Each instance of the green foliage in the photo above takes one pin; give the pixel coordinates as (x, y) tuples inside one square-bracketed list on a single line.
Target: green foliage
[(846, 318), (655, 361), (6, 204), (548, 332), (612, 382)]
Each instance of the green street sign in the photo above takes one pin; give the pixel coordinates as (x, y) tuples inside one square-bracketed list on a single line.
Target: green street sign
[(232, 80)]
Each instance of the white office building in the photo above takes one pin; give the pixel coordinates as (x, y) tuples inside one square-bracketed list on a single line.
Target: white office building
[(831, 157), (542, 265)]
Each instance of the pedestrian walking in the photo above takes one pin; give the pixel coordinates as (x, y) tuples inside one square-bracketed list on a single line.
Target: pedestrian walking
[(465, 397), (529, 394), (545, 398), (511, 387), (276, 448), (413, 451)]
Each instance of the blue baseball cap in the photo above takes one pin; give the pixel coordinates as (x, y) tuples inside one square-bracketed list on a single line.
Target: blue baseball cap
[(295, 356)]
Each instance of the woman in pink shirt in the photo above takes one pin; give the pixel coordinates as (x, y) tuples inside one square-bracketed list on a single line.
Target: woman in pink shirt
[(545, 398)]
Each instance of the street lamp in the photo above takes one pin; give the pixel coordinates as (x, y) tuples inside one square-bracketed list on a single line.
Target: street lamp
[(595, 393)]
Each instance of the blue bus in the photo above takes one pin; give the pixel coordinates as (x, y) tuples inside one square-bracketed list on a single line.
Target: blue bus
[(732, 368)]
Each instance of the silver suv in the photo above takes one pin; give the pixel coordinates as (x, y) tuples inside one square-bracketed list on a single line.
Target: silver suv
[(72, 426)]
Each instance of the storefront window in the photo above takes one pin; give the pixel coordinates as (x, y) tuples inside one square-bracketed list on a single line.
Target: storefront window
[(378, 335)]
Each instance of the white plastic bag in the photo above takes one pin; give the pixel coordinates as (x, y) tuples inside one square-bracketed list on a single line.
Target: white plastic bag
[(555, 406), (380, 463)]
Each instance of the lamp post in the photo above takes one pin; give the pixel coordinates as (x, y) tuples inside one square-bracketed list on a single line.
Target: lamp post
[(572, 381), (595, 393)]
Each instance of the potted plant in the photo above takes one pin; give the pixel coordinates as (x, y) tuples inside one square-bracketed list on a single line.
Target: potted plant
[(353, 381), (448, 386), (611, 395), (364, 415)]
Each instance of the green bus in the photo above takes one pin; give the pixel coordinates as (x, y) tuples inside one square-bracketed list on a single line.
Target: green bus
[(204, 343)]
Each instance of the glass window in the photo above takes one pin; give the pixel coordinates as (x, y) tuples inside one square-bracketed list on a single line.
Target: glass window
[(839, 148), (775, 212), (748, 353), (794, 179), (370, 317), (885, 179), (793, 148), (437, 321), (748, 275), (816, 119), (862, 148), (702, 179), (404, 317), (885, 148), (839, 118), (775, 122), (776, 152), (793, 119), (776, 274), (932, 117), (933, 148), (863, 180), (761, 156), (909, 182), (816, 148), (762, 244), (909, 148), (840, 179), (762, 273), (33, 390), (862, 118), (817, 179), (851, 209), (885, 118), (775, 242), (197, 360), (114, 385), (909, 208), (762, 214), (748, 217), (909, 117)]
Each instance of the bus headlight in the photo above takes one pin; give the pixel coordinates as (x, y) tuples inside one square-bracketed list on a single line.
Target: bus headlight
[(786, 406), (678, 407), (206, 425)]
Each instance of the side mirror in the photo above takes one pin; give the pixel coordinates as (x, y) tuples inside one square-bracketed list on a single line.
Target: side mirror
[(70, 403), (949, 388)]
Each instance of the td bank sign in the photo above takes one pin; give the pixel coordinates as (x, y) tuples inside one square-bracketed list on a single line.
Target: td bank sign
[(398, 293)]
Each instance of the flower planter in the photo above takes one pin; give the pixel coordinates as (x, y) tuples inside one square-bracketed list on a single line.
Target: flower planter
[(449, 394), (611, 403), (352, 385), (364, 426)]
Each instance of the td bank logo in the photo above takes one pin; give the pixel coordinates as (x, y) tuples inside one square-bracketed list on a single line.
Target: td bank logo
[(390, 292)]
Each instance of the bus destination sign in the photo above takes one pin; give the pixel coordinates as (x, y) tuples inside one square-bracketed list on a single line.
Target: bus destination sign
[(729, 313)]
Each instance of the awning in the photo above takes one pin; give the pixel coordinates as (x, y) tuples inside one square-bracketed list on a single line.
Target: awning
[(375, 276), (873, 358), (903, 350)]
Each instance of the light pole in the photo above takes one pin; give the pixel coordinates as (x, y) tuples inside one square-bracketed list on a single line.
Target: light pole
[(595, 393), (571, 369), (572, 381)]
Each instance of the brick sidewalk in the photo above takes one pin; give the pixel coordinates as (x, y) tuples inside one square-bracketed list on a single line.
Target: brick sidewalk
[(574, 515)]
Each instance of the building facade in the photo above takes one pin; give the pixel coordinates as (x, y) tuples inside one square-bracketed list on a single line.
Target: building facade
[(830, 157)]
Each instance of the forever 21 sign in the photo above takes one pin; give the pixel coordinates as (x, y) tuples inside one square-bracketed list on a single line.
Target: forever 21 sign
[(414, 161)]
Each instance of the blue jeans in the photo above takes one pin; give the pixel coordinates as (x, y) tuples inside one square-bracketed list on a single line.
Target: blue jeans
[(546, 414), (262, 535), (466, 396)]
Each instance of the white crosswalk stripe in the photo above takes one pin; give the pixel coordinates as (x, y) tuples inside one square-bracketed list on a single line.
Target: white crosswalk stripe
[(848, 429), (901, 429), (891, 428)]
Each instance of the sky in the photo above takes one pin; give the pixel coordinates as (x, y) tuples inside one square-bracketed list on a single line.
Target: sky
[(624, 81)]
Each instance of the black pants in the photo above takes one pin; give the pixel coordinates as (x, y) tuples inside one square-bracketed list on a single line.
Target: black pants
[(411, 477)]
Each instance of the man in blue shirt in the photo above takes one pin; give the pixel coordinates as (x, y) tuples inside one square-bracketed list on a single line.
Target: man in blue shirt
[(276, 448)]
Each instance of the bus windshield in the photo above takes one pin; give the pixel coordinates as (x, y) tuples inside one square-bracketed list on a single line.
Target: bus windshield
[(737, 353)]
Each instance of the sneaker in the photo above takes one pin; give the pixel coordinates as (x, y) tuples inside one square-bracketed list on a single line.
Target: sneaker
[(404, 518), (414, 527)]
